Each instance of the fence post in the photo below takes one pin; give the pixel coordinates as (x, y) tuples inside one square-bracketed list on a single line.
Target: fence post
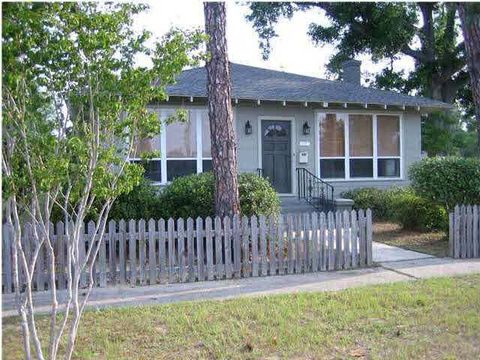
[(369, 237)]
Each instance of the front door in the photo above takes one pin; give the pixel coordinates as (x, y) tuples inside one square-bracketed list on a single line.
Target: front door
[(276, 154)]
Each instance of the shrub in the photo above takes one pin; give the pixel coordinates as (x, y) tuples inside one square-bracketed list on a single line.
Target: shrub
[(447, 181), (142, 202), (401, 205), (414, 212), (257, 196), (375, 199), (192, 196), (188, 196)]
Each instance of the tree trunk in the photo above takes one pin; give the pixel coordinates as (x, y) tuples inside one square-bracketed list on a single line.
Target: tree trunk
[(224, 150), (470, 18)]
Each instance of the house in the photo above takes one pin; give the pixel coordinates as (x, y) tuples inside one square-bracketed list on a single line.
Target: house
[(294, 129)]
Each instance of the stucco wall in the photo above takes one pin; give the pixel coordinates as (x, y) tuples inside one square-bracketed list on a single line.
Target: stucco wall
[(249, 148)]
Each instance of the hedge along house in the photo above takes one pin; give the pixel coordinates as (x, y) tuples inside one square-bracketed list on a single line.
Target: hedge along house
[(303, 133)]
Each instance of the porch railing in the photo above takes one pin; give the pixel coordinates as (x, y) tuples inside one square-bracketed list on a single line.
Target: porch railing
[(315, 191)]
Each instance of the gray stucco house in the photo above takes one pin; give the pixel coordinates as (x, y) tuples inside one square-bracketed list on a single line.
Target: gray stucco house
[(338, 131)]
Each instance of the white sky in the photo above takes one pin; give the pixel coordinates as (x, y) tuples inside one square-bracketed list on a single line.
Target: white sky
[(292, 51)]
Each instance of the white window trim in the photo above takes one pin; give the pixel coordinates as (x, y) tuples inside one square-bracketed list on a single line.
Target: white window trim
[(344, 115), (199, 158)]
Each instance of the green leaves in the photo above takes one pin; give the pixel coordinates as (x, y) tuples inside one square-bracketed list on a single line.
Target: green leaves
[(74, 97)]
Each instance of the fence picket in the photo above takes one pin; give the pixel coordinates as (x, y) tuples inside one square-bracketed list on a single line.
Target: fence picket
[(451, 225), (142, 253), (247, 268), (456, 245), (368, 233), (463, 224), (254, 237), (298, 244), (162, 252), (280, 245), (263, 245), (218, 249), (152, 244), (331, 239), (208, 234), (237, 266), (338, 241), (221, 248), (347, 263), (60, 248), (40, 265), (122, 243), (307, 242), (475, 232), (132, 251), (200, 249), (272, 236), (171, 249), (190, 250), (7, 242), (290, 244), (181, 249), (112, 250), (228, 246), (354, 238)]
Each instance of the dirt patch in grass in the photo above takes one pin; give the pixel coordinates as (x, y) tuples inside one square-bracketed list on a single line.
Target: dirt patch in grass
[(428, 319), (433, 243)]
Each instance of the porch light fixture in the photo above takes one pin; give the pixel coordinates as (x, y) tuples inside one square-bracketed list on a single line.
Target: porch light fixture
[(306, 129), (248, 128)]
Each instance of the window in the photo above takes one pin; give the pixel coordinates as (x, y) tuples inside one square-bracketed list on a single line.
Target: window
[(360, 137), (183, 147), (388, 146), (359, 146), (332, 146)]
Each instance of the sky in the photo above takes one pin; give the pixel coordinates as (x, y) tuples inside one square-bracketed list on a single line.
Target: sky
[(292, 51)]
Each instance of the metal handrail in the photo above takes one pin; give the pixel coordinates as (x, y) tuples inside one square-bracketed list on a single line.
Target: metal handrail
[(317, 192)]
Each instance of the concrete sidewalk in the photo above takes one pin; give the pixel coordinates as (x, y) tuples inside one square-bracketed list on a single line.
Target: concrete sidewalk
[(411, 267)]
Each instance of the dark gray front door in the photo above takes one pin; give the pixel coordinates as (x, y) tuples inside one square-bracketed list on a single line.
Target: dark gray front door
[(276, 154)]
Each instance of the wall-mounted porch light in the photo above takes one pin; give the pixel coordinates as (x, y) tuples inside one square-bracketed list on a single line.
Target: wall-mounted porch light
[(248, 128), (306, 129)]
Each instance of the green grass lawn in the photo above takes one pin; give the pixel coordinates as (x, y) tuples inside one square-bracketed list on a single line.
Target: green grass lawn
[(433, 243), (431, 319)]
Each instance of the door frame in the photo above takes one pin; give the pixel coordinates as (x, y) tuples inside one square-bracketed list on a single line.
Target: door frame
[(292, 146)]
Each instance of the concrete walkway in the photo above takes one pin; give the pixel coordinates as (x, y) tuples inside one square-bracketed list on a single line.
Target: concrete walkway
[(394, 265)]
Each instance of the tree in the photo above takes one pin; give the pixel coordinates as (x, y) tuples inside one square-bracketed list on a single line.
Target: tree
[(224, 150), (428, 33), (74, 103), (470, 18)]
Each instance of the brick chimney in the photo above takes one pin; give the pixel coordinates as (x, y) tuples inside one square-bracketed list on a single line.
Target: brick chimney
[(351, 71)]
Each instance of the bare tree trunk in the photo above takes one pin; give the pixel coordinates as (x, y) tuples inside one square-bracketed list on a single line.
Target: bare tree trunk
[(470, 18), (224, 151)]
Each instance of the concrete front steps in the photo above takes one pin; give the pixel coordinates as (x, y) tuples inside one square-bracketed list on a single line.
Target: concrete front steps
[(293, 205)]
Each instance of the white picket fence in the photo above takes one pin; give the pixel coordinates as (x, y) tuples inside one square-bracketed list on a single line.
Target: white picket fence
[(464, 232), (143, 253)]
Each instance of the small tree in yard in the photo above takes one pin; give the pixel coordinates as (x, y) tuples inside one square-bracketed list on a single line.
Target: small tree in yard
[(74, 103)]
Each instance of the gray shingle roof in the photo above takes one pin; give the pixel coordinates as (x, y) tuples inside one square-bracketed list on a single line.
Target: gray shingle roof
[(255, 83)]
